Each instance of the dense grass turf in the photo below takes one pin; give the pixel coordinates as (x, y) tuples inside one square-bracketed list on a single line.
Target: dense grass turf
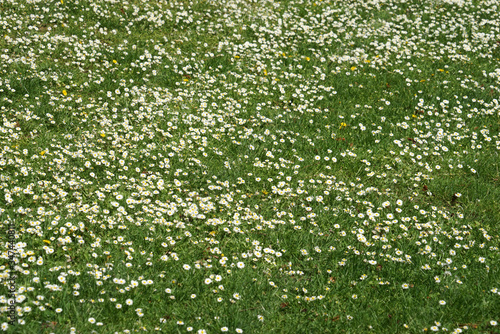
[(250, 166)]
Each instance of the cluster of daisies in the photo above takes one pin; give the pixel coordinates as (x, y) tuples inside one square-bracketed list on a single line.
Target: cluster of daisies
[(188, 155)]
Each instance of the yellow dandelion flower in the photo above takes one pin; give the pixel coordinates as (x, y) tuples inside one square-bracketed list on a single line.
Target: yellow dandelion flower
[(103, 135), (307, 58), (64, 92), (353, 68), (47, 241), (42, 153), (114, 61)]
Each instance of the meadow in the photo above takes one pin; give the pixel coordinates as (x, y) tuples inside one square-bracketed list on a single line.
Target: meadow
[(250, 166)]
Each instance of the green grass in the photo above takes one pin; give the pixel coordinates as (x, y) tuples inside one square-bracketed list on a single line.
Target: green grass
[(252, 166)]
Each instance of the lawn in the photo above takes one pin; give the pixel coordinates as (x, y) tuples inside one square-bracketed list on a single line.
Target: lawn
[(250, 166)]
